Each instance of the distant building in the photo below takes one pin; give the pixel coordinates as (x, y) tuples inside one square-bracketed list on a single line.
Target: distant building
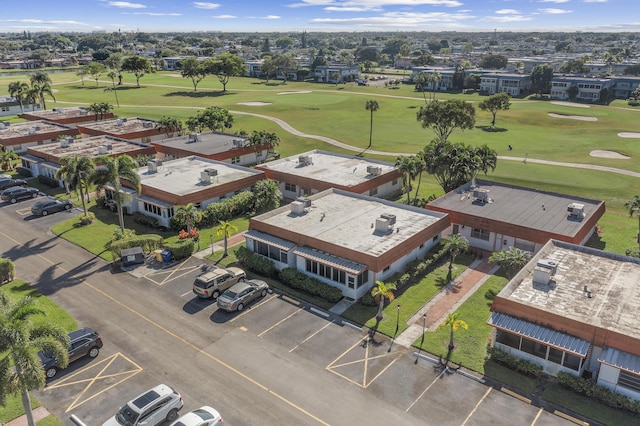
[(574, 309), (586, 89), (10, 106), (513, 84), (19, 136), (68, 116), (134, 129), (346, 240), (315, 171), (338, 73), (494, 216)]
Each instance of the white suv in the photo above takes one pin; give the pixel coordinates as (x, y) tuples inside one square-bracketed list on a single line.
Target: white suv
[(151, 408)]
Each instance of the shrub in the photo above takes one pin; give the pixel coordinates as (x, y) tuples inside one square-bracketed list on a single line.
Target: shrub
[(592, 390), (143, 219), (52, 183), (254, 262), (182, 249), (515, 363), (7, 270), (296, 279), (87, 219), (148, 242), (23, 171)]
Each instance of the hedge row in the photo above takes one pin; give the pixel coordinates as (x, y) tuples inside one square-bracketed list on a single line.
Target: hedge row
[(52, 183), (7, 270), (256, 263), (296, 279), (238, 205), (182, 249), (143, 219), (515, 363), (592, 390), (148, 242)]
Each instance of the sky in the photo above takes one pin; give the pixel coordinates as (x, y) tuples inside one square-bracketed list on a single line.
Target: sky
[(320, 15)]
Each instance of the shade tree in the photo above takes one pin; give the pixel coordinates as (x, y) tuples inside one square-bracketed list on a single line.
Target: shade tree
[(447, 116), (495, 103)]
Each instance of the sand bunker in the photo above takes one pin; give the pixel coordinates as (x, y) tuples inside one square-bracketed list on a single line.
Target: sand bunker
[(629, 135), (608, 154), (571, 104), (573, 117), (175, 75), (254, 103), (294, 93)]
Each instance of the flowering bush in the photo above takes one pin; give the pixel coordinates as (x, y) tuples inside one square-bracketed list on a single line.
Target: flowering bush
[(191, 234)]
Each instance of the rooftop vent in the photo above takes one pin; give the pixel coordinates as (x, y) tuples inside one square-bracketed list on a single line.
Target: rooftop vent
[(390, 217), (32, 130), (102, 150), (147, 124), (384, 224), (305, 160), (2, 126), (109, 147), (304, 200), (205, 177), (70, 139), (238, 143), (211, 172), (119, 121), (194, 137), (481, 195), (543, 271), (297, 207), (374, 170), (64, 143), (575, 210), (152, 165)]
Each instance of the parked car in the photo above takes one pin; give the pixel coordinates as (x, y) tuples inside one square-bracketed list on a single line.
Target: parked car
[(9, 183), (3, 177), (83, 342), (238, 296), (203, 416), (17, 193), (50, 205), (211, 283), (150, 408)]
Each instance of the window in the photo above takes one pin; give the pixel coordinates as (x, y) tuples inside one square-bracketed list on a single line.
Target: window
[(572, 361), (4, 109), (373, 192), (480, 234), (525, 245), (629, 380), (394, 182), (508, 339), (455, 229), (290, 187), (152, 208), (534, 348), (235, 160)]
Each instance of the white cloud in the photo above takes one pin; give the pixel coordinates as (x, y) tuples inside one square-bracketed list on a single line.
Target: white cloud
[(154, 14), (508, 18), (271, 17), (374, 4), (42, 21), (596, 1), (507, 12), (398, 19), (351, 9), (224, 17), (554, 1), (555, 11), (126, 5), (205, 5)]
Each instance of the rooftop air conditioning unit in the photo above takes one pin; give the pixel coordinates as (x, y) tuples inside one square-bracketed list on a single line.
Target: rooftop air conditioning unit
[(391, 218), (576, 210), (152, 166), (2, 126), (238, 143), (481, 195), (374, 170), (109, 147), (119, 122), (64, 143), (194, 137), (147, 124), (543, 271), (32, 130), (297, 207), (102, 150), (305, 160), (205, 177), (211, 172), (84, 111), (304, 200), (70, 139), (383, 224)]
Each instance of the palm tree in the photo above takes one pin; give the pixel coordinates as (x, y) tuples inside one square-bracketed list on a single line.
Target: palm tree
[(261, 138), (454, 322), (113, 75), (18, 90), (225, 228), (110, 171), (76, 172), (407, 166), (454, 244), (512, 259), (41, 83), (381, 292), (420, 80), (433, 78), (634, 207), (372, 106), (6, 158), (189, 215), (20, 340)]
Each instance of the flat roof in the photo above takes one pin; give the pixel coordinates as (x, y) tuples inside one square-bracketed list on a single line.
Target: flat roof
[(206, 143), (182, 176), (58, 113), (88, 147), (19, 130), (119, 126), (611, 279), (523, 207), (344, 170), (348, 220)]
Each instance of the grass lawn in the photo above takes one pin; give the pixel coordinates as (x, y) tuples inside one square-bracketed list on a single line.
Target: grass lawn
[(53, 314), (511, 378)]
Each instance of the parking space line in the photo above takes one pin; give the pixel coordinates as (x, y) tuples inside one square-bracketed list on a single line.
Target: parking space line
[(400, 353), (23, 212), (476, 407), (278, 323), (537, 417), (425, 391), (240, 315), (309, 338)]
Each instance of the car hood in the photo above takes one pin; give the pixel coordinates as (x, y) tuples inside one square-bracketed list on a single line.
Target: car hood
[(111, 422)]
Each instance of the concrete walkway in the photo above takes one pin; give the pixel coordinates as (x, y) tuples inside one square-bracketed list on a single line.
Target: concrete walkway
[(233, 240)]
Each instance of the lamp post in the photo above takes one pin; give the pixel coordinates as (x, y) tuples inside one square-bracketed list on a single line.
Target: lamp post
[(424, 327), (397, 326), (211, 239)]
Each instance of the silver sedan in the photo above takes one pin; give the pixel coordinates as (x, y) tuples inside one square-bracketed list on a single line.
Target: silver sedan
[(238, 296)]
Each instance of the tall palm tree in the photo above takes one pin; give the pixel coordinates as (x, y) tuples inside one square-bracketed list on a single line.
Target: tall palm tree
[(18, 90), (261, 138), (189, 215), (454, 322), (407, 166), (454, 244), (420, 80), (512, 259), (110, 171), (433, 78), (372, 106), (381, 292), (76, 172), (634, 207), (6, 158), (113, 75), (41, 82), (225, 228), (20, 340)]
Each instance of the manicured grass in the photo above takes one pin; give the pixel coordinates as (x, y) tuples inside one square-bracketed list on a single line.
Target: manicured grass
[(588, 407), (513, 379), (410, 299), (14, 409)]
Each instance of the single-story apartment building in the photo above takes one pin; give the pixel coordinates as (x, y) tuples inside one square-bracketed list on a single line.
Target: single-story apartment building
[(574, 309), (68, 116), (494, 216), (344, 239), (315, 171), (19, 136), (10, 106), (133, 129)]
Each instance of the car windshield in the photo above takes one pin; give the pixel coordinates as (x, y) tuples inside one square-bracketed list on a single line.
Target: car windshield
[(230, 294), (203, 414), (126, 416)]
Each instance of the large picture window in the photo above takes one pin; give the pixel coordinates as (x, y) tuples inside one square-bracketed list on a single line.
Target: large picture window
[(480, 234), (629, 380)]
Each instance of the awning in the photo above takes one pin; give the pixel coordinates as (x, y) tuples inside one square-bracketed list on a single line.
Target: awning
[(331, 260), (270, 240), (539, 333), (620, 359)]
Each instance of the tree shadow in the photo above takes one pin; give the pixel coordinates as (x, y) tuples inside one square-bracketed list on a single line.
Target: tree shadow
[(492, 129), (199, 95)]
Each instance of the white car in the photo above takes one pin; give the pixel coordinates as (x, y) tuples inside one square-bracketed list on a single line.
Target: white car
[(153, 407), (203, 416)]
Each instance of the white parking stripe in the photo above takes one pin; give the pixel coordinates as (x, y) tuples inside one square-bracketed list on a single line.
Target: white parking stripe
[(308, 338), (425, 391), (476, 407), (278, 323)]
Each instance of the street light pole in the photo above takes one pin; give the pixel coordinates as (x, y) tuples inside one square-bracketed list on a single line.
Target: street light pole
[(424, 327), (397, 326), (211, 239)]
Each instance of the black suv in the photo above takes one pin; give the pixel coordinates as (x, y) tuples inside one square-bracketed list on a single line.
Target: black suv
[(18, 193), (8, 183), (83, 342)]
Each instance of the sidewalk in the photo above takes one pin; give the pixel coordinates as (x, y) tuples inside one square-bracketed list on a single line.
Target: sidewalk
[(233, 240), (38, 414)]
